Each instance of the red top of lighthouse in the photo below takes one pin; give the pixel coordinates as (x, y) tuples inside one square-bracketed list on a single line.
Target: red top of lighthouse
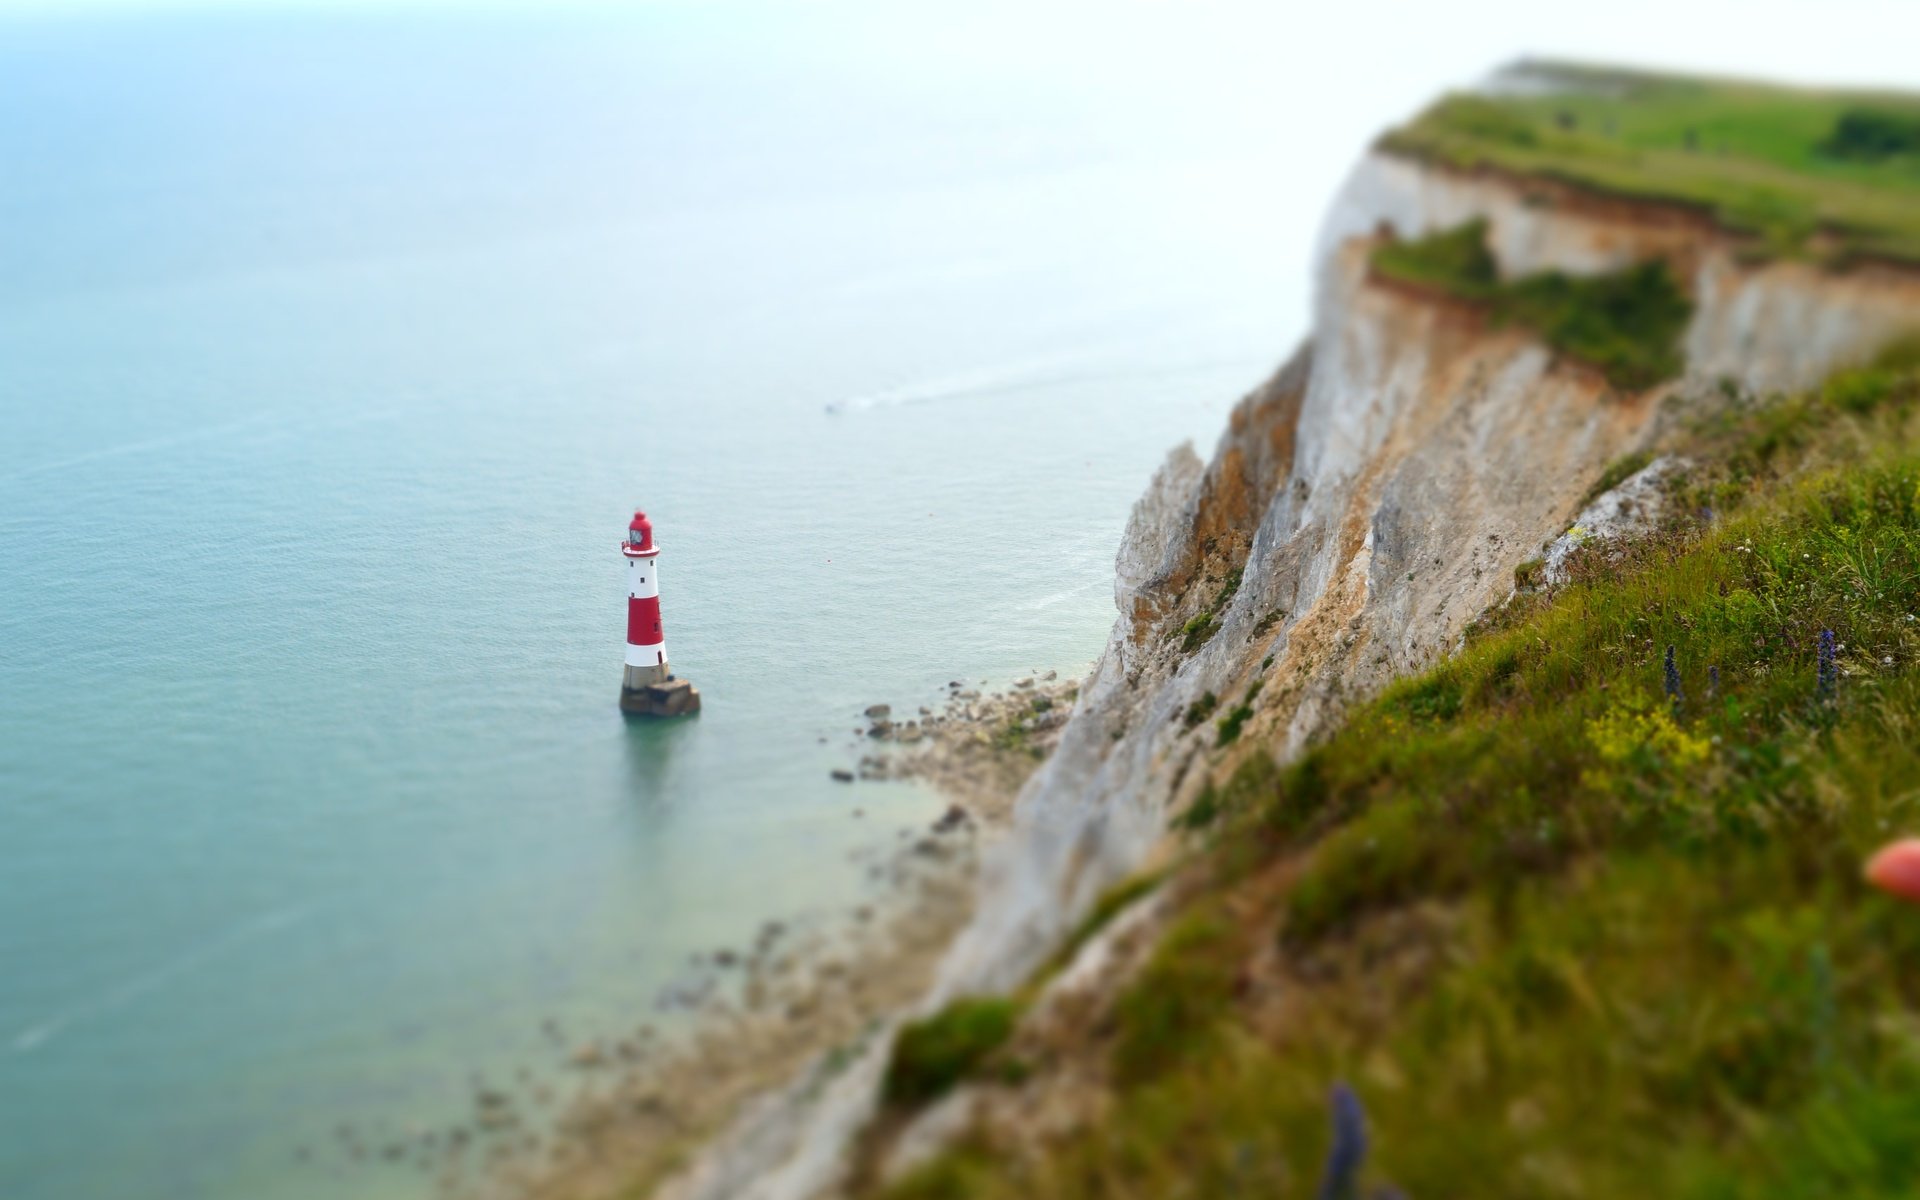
[(639, 543)]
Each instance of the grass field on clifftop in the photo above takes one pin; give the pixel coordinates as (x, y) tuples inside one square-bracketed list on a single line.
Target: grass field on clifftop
[(1579, 912), (1782, 164)]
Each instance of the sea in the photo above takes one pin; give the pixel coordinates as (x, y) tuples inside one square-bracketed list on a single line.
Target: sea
[(337, 348)]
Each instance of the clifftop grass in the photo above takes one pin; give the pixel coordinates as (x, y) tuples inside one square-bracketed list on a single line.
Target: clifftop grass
[(1571, 921), (1781, 164)]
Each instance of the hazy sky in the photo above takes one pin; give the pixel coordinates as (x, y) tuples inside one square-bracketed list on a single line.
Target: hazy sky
[(1293, 92), (1810, 39), (1359, 64)]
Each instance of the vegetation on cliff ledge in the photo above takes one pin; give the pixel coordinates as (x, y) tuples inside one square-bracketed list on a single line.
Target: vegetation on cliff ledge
[(1627, 323), (1826, 174), (1579, 911)]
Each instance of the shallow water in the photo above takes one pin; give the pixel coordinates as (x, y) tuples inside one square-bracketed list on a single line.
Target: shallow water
[(335, 356)]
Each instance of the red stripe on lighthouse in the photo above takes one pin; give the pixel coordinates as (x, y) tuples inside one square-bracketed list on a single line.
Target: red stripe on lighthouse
[(643, 620)]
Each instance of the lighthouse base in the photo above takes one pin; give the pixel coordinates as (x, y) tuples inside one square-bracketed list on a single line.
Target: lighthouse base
[(674, 698)]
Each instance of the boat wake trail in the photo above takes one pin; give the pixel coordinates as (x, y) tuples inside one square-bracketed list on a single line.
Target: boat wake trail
[(37, 1035), (1023, 377)]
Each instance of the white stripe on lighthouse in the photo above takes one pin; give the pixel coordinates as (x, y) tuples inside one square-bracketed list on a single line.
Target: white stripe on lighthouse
[(647, 656), (643, 577)]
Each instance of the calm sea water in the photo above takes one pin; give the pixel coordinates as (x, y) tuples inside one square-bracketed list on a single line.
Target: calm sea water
[(333, 355)]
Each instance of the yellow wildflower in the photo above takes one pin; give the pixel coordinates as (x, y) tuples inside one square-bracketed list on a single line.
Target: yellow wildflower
[(1621, 733)]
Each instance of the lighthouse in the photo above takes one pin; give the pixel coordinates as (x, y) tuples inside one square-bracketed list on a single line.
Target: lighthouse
[(648, 686)]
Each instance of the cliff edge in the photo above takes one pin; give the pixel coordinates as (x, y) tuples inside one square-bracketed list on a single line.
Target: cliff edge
[(1482, 369)]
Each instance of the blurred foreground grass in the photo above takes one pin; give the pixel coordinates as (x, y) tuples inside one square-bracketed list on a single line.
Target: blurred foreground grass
[(1579, 911)]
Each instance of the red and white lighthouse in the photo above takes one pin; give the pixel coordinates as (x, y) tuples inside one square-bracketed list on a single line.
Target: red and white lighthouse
[(648, 685)]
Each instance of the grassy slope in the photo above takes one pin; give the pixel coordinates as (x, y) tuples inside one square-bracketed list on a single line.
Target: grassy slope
[(1761, 158), (1566, 934)]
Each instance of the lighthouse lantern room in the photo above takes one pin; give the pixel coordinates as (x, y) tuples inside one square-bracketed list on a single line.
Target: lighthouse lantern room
[(648, 685)]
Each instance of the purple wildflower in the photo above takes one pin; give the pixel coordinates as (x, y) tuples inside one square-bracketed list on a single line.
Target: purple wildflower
[(1673, 680), (1827, 674), (1341, 1179)]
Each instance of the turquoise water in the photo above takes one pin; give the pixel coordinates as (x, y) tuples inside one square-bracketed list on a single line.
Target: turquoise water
[(333, 356)]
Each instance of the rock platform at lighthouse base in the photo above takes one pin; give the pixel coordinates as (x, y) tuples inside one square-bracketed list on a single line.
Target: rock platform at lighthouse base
[(674, 698)]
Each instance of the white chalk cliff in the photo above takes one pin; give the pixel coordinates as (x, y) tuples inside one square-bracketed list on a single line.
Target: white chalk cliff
[(1376, 495)]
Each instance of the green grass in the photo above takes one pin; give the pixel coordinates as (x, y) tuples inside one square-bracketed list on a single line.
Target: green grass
[(1780, 164), (1455, 261), (1616, 473), (1200, 709), (1174, 1008), (1626, 323), (1229, 726), (1111, 903), (1566, 937), (931, 1056)]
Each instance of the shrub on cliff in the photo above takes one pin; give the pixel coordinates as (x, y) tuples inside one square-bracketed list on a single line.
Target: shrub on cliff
[(1455, 261), (931, 1056), (1627, 323), (1872, 135)]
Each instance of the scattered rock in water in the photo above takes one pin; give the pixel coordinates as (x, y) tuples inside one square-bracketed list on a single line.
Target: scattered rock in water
[(841, 775), (587, 1055), (1023, 684), (954, 818), (1050, 676), (879, 712), (880, 729), (859, 812), (955, 683), (725, 958)]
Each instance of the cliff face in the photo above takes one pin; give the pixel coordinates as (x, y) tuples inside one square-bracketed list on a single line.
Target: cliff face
[(1374, 496), (1364, 505)]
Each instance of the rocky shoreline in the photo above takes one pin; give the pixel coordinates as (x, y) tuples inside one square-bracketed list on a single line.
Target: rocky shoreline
[(797, 1001), (977, 749)]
